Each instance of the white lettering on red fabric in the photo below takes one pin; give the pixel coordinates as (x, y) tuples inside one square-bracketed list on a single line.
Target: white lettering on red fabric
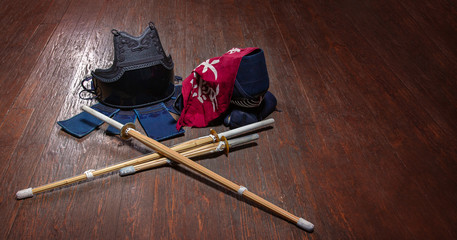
[(234, 50), (206, 65), (204, 92)]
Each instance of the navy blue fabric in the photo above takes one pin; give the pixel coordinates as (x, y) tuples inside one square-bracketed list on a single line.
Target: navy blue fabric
[(122, 117), (171, 104), (157, 122), (84, 123), (252, 77), (239, 117), (268, 106)]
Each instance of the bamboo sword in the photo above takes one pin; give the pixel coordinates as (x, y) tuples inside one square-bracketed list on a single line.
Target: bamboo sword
[(194, 152), (90, 174), (128, 130)]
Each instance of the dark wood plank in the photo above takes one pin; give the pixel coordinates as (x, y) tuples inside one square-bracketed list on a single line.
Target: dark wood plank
[(340, 41), (24, 39), (11, 131), (49, 71)]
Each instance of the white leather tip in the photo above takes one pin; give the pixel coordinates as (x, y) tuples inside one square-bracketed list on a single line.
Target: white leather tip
[(25, 193), (127, 171), (305, 225)]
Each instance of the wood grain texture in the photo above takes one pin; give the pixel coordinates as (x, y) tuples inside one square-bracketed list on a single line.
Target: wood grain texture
[(364, 145)]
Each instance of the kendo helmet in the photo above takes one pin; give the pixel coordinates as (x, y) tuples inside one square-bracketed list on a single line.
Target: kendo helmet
[(252, 81)]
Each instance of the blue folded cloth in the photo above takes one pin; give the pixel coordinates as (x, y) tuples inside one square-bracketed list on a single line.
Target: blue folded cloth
[(84, 123), (157, 122), (155, 119), (123, 117)]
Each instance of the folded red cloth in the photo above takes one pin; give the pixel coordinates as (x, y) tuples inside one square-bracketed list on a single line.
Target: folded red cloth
[(208, 89)]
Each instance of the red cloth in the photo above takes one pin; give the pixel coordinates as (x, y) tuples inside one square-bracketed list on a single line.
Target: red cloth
[(208, 89)]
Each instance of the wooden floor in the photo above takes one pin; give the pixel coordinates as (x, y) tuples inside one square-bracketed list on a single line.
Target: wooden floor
[(364, 146)]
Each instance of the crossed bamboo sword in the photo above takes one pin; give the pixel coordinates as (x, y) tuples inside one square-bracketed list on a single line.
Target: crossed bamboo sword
[(164, 155)]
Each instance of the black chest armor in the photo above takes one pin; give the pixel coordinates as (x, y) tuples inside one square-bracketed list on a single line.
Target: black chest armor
[(141, 74)]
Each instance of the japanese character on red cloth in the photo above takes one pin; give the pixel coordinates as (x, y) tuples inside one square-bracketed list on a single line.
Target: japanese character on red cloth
[(208, 89)]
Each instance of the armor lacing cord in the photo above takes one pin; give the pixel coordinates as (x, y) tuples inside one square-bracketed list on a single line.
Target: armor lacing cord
[(241, 190), (115, 32), (89, 174), (223, 145), (85, 89), (214, 135)]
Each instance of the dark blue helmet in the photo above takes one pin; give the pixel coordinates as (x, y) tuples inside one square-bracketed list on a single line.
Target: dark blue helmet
[(252, 80)]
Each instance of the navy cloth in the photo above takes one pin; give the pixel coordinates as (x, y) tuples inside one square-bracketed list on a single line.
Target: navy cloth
[(123, 117), (171, 104), (243, 116), (252, 79), (84, 123), (156, 120)]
